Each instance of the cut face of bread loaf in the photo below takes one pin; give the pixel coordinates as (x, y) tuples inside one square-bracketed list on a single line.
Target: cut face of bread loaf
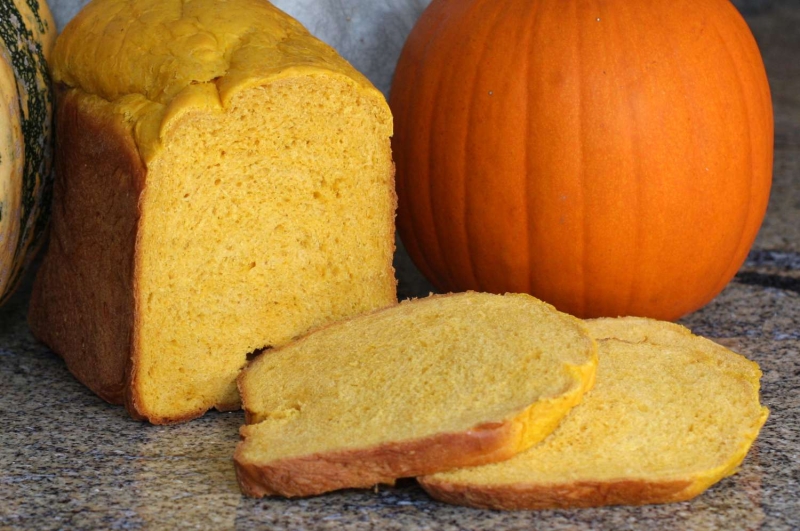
[(225, 184), (427, 385), (670, 415)]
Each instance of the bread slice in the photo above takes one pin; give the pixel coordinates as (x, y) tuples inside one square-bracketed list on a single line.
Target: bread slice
[(224, 184), (670, 415), (427, 385)]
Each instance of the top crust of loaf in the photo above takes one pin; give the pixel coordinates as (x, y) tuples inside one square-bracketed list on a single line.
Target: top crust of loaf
[(116, 50)]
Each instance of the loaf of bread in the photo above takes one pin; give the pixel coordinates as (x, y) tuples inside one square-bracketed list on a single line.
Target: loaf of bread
[(427, 385), (670, 415), (224, 184)]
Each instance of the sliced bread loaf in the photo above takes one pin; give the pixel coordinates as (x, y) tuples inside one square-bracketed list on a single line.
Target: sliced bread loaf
[(670, 415), (224, 184), (427, 385)]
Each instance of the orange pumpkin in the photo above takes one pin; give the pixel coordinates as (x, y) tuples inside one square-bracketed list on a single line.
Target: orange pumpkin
[(611, 157)]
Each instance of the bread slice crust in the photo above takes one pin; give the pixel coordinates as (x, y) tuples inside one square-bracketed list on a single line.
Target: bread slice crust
[(72, 287), (470, 489), (560, 496), (309, 475), (489, 442)]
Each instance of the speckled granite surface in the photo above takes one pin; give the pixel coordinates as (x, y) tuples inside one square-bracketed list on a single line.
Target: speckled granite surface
[(70, 461)]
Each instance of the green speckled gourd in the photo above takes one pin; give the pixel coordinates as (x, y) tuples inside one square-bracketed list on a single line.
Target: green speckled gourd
[(27, 35)]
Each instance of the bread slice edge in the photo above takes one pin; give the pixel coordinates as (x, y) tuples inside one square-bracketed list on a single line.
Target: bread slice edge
[(490, 442), (618, 491)]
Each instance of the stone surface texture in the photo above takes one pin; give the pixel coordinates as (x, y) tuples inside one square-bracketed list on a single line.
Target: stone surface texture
[(70, 461)]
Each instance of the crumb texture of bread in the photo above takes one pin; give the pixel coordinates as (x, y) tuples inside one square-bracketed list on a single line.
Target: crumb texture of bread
[(426, 385), (248, 244), (670, 415), (262, 205)]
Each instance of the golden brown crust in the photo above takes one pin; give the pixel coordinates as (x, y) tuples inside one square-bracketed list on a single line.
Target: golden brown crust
[(566, 495), (245, 43), (364, 467), (82, 305)]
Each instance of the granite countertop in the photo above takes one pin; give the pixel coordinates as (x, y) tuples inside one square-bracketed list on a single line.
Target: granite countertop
[(69, 460)]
